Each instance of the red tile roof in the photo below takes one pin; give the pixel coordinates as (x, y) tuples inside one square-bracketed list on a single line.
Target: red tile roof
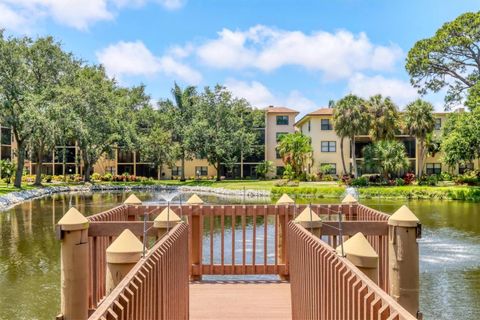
[(321, 112), (273, 109)]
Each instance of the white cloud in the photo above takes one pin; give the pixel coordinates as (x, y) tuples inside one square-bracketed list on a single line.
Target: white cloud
[(261, 97), (135, 59), (254, 92), (338, 54), (400, 91), (20, 15)]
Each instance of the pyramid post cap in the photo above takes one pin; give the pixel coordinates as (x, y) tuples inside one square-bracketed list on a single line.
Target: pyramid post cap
[(285, 199), (403, 217), (359, 251), (166, 219), (309, 219), (73, 220), (127, 248), (194, 199), (349, 199), (132, 200)]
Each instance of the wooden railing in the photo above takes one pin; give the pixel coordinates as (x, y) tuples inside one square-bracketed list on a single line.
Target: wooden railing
[(97, 254), (378, 242), (219, 234), (156, 287), (326, 286)]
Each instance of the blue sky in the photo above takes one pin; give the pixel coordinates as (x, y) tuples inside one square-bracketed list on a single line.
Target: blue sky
[(298, 54)]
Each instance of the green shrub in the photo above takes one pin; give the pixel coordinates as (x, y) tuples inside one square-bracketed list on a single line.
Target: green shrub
[(47, 178), (399, 182), (359, 182), (445, 176), (107, 177), (96, 176)]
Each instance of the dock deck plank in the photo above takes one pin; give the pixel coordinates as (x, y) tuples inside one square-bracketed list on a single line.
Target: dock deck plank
[(240, 300)]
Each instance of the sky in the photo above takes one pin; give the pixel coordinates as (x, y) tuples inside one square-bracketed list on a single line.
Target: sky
[(299, 54)]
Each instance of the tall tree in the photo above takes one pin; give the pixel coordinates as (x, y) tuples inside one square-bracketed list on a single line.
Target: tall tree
[(419, 121), (155, 139), (29, 72), (385, 118), (295, 150), (461, 138), (217, 132), (181, 112), (350, 118), (93, 101), (451, 58)]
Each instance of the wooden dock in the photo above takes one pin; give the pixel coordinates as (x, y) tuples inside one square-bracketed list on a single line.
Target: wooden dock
[(240, 300)]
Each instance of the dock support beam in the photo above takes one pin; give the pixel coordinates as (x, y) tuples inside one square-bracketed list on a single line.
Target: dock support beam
[(72, 230), (403, 230)]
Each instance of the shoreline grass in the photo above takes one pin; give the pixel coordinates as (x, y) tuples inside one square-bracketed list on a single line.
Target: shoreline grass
[(304, 190)]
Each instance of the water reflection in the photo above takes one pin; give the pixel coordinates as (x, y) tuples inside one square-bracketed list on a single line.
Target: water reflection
[(30, 270)]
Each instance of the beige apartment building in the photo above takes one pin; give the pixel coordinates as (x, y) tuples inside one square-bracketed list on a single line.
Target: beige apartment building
[(318, 125)]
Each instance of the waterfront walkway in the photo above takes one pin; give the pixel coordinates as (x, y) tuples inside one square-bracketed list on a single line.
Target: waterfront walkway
[(240, 300)]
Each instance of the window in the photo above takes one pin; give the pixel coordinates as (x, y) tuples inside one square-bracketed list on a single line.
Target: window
[(333, 167), (6, 136), (329, 146), (438, 123), (279, 135), (201, 171), (325, 124), (465, 167), (309, 125), (434, 168), (176, 171), (125, 156), (282, 120), (280, 171)]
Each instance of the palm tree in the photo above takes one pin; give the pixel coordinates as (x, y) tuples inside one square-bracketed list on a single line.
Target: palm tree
[(420, 123), (295, 150), (350, 118), (389, 156), (386, 118), (180, 113)]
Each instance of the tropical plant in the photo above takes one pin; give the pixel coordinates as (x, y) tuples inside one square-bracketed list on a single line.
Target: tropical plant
[(385, 118), (264, 168), (289, 173), (448, 59), (7, 170), (180, 113), (389, 156), (350, 118), (295, 150), (419, 122)]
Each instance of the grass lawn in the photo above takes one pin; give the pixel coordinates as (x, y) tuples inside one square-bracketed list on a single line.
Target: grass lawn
[(4, 189)]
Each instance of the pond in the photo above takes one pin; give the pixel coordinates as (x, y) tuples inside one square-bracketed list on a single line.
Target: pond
[(30, 254)]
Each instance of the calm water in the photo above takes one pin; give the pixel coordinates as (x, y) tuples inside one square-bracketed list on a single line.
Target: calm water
[(30, 268)]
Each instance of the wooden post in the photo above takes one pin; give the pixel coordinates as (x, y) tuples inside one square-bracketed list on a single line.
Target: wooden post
[(310, 220), (132, 203), (122, 255), (348, 204), (403, 259), (358, 251), (285, 201), (72, 230), (165, 221), (197, 238)]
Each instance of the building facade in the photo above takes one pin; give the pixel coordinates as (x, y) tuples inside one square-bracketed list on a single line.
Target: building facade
[(318, 125)]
